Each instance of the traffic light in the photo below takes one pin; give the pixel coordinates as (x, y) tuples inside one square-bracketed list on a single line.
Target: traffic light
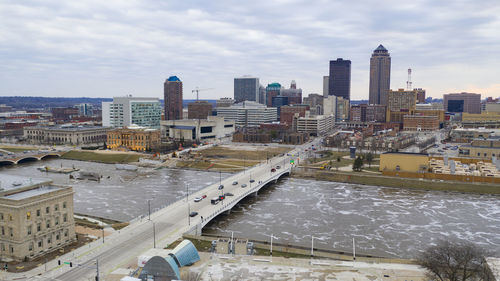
[(70, 264), (58, 262)]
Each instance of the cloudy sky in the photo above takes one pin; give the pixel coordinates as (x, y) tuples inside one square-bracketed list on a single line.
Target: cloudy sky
[(106, 48)]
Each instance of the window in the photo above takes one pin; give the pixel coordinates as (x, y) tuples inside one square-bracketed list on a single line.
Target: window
[(38, 212), (1, 216), (49, 240), (47, 210), (11, 232), (57, 221), (58, 236), (3, 230), (28, 215), (56, 207), (3, 246), (48, 224), (66, 233), (65, 217), (40, 243), (10, 217), (29, 229), (11, 249), (38, 227), (64, 205), (30, 247)]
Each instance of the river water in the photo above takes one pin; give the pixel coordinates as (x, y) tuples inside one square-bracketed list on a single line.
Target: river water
[(384, 221), (123, 196)]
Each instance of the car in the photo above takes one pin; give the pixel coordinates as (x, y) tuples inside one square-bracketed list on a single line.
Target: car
[(221, 186), (193, 214), (228, 194), (440, 150), (278, 167), (204, 196), (273, 170), (197, 199), (244, 185), (235, 183), (252, 180), (221, 197)]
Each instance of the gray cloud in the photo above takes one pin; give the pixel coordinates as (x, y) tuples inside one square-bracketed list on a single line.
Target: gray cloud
[(109, 48)]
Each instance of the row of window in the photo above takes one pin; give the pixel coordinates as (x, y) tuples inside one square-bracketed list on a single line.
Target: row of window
[(29, 228), (39, 243)]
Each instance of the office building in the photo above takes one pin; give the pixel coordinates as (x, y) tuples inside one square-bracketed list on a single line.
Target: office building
[(342, 108), (214, 127), (272, 90), (36, 217), (278, 102), (420, 95), (64, 114), (289, 112), (248, 114), (325, 85), (330, 105), (294, 95), (66, 134), (339, 83), (85, 109), (318, 125), (420, 123), (368, 113), (315, 102), (199, 110), (125, 111), (133, 138), (400, 103), (492, 107), (262, 94), (224, 102), (246, 88), (380, 75), (172, 96), (462, 102)]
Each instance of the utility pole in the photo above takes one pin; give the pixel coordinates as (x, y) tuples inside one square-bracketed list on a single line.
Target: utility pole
[(149, 208), (102, 234), (97, 269), (154, 235)]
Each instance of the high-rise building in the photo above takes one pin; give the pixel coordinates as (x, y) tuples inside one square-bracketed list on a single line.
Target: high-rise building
[(380, 75), (262, 94), (315, 102), (278, 102), (172, 93), (325, 85), (272, 90), (420, 95), (294, 95), (339, 83), (224, 102), (248, 114), (246, 88), (125, 111), (399, 103), (462, 102)]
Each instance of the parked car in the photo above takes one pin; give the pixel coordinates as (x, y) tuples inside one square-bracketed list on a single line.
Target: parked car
[(204, 196), (221, 186), (244, 185), (273, 170), (235, 183), (252, 180), (278, 167), (197, 199), (193, 214)]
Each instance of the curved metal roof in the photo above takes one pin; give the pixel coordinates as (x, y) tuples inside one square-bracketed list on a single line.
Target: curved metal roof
[(185, 253)]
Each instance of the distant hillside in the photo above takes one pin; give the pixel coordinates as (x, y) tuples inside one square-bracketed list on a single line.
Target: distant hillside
[(20, 103)]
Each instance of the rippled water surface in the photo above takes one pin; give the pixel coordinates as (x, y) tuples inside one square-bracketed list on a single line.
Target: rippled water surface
[(123, 196), (383, 221)]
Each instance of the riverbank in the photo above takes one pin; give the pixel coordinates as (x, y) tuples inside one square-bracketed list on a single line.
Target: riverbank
[(102, 156), (379, 180)]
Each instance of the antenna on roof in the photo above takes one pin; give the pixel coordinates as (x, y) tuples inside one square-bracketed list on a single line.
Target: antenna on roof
[(408, 83)]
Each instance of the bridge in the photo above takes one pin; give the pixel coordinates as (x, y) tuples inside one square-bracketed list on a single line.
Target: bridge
[(28, 157)]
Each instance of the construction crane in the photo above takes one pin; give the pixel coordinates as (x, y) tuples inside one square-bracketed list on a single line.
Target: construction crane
[(198, 91)]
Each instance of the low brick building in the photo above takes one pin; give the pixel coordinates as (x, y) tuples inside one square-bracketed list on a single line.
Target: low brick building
[(133, 138), (420, 123)]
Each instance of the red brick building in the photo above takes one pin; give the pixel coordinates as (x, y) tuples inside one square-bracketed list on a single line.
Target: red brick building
[(172, 93), (420, 123), (287, 112), (199, 110)]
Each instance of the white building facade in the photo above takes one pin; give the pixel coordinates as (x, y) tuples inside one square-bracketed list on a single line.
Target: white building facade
[(125, 111), (248, 114), (197, 129)]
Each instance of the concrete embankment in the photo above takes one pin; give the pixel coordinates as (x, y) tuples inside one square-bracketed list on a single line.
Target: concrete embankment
[(379, 180), (298, 251)]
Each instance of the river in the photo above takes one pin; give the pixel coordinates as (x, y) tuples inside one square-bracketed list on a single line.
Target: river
[(384, 221)]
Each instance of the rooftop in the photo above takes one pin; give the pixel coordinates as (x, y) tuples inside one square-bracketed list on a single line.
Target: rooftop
[(10, 182), (173, 79), (68, 128), (381, 48), (32, 192)]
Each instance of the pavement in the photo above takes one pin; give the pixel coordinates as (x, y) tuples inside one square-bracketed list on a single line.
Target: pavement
[(164, 227)]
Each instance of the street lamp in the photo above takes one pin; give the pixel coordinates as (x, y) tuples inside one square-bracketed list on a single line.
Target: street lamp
[(271, 250), (149, 209), (189, 215), (154, 235), (353, 251), (312, 245)]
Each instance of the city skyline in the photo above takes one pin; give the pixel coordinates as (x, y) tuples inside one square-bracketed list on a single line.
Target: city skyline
[(96, 49)]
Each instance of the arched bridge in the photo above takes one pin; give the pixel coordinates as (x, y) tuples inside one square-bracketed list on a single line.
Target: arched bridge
[(18, 159)]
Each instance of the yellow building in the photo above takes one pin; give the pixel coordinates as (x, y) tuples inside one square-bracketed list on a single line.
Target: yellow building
[(133, 138), (404, 162), (431, 112), (400, 103), (483, 117)]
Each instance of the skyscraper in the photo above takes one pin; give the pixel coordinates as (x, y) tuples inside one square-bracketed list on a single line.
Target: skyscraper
[(380, 75), (246, 88), (173, 98), (339, 83)]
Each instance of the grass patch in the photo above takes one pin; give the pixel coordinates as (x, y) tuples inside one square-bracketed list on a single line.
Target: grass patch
[(201, 245), (118, 226), (87, 223), (17, 148), (111, 158), (224, 152)]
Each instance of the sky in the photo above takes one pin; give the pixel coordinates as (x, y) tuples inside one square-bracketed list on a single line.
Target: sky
[(96, 48)]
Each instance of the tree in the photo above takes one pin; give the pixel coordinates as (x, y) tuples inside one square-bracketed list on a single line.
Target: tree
[(358, 164), (369, 158), (455, 261), (338, 162)]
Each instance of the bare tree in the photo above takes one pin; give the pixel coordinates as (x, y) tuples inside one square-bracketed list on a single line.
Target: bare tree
[(456, 261)]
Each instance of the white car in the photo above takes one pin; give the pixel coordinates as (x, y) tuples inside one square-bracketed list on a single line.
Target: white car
[(198, 199)]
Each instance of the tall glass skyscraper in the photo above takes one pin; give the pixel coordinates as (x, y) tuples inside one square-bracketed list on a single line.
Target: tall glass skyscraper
[(339, 83), (246, 88), (380, 75)]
